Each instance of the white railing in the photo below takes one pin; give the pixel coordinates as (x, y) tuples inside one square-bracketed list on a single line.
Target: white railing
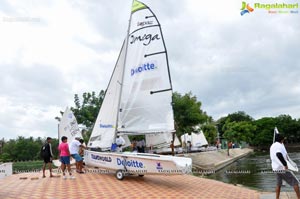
[(5, 169)]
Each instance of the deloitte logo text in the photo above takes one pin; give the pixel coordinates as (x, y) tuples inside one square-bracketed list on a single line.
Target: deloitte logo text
[(246, 8), (130, 163), (143, 68), (106, 126)]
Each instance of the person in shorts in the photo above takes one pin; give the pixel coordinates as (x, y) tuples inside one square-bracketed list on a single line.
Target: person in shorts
[(65, 157), (74, 150), (278, 156), (47, 156)]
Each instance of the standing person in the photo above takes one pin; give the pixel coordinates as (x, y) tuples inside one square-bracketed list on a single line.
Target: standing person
[(65, 156), (143, 144), (133, 145), (47, 155), (278, 156), (74, 150), (229, 146), (120, 142), (81, 149)]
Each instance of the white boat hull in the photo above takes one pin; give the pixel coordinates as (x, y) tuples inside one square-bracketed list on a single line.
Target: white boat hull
[(139, 163)]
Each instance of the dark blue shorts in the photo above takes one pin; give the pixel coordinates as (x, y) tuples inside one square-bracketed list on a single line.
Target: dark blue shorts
[(65, 159)]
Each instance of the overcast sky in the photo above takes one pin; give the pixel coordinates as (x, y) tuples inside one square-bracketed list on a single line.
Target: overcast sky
[(51, 50)]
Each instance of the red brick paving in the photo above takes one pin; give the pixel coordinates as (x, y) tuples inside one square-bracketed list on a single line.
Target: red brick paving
[(106, 186)]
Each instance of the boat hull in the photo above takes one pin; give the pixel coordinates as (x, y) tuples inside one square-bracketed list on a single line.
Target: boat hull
[(139, 163)]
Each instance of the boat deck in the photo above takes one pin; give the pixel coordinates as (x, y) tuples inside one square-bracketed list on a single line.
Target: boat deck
[(95, 185)]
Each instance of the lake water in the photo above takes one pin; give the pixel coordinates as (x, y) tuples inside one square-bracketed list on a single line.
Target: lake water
[(253, 171)]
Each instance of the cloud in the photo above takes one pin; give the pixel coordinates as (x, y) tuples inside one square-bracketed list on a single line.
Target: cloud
[(51, 50)]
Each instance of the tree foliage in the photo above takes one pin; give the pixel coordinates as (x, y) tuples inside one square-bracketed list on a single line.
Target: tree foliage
[(210, 132), (233, 117), (86, 111), (187, 113), (24, 149), (238, 131)]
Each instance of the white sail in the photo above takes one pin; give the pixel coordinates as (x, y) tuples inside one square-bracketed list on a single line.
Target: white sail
[(275, 132), (159, 140), (185, 138), (146, 97), (198, 139), (68, 126), (104, 130)]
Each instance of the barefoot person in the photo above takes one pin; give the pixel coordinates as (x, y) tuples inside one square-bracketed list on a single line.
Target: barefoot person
[(74, 150), (47, 155), (278, 155), (65, 157)]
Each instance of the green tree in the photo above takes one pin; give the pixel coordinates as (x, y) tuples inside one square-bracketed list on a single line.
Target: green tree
[(22, 149), (289, 127), (233, 117), (263, 135), (187, 113), (239, 131), (87, 111), (210, 132)]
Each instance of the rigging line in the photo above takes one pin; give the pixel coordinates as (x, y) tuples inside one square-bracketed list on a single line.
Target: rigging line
[(144, 28), (159, 91), (146, 55)]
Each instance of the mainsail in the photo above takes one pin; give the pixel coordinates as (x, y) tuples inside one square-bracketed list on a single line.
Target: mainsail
[(146, 97), (68, 126)]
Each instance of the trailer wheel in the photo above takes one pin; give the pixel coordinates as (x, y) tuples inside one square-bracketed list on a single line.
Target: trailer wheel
[(120, 174)]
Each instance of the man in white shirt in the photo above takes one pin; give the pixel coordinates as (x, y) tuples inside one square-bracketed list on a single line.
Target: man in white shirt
[(120, 142), (74, 149), (278, 156)]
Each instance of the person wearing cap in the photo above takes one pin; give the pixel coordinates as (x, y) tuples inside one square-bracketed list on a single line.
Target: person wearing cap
[(47, 156), (278, 156), (74, 150)]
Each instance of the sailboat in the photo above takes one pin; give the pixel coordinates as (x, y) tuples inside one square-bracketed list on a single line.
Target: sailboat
[(138, 101), (290, 163), (161, 143), (197, 141), (68, 127)]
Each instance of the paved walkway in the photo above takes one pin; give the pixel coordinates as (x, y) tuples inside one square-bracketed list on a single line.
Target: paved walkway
[(95, 185), (283, 195)]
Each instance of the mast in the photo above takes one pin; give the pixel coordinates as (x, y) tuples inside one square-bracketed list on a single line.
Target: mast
[(121, 83)]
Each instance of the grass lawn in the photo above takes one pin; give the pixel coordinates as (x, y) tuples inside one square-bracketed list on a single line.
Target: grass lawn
[(28, 166)]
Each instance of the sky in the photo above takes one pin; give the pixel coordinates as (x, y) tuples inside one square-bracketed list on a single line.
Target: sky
[(53, 49)]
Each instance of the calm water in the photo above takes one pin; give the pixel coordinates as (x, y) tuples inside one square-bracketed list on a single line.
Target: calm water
[(253, 171)]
